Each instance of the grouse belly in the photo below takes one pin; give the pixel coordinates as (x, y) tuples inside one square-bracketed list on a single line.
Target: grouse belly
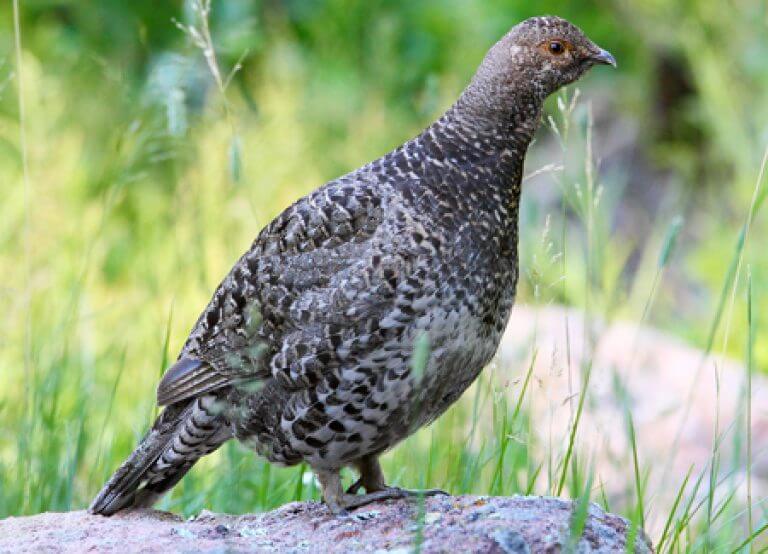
[(370, 406), (458, 358)]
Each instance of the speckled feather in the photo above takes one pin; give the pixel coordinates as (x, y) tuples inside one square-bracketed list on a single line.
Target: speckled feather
[(306, 347)]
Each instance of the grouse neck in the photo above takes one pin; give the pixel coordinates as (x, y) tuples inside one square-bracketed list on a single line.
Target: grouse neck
[(488, 130), (506, 119)]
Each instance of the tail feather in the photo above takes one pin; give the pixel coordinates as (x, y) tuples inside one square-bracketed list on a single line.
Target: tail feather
[(182, 434)]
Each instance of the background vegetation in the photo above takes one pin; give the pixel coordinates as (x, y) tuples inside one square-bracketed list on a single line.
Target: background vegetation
[(130, 180)]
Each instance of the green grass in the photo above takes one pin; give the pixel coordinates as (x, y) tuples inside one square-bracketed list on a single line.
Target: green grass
[(118, 219)]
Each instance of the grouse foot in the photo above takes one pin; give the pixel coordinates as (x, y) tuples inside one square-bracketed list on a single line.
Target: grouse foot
[(395, 492), (372, 480)]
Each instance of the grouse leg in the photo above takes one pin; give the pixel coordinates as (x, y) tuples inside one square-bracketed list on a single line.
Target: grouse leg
[(338, 501), (372, 480)]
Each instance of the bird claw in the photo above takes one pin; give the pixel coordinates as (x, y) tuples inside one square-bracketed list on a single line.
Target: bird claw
[(350, 500), (396, 492), (355, 487), (417, 492)]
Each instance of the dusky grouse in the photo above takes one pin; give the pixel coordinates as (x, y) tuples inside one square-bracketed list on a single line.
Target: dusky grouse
[(305, 351)]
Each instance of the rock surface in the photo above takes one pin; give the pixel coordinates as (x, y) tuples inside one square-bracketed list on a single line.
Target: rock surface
[(445, 524), (673, 390)]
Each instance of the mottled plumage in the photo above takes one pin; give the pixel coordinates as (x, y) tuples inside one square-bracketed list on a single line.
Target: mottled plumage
[(305, 351)]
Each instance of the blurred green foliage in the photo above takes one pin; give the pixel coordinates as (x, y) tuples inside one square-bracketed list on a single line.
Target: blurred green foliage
[(134, 212)]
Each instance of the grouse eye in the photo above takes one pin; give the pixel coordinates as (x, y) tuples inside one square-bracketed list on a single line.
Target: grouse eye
[(556, 47)]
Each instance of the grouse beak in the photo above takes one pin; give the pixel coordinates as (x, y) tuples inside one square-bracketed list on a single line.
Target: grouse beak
[(603, 57)]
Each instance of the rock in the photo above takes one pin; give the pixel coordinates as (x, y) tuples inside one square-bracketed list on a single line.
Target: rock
[(519, 524), (670, 387)]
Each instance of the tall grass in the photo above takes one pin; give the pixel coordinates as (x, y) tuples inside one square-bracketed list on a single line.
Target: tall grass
[(748, 395), (120, 256)]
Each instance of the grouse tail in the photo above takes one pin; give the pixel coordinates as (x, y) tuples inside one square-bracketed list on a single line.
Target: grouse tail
[(182, 434)]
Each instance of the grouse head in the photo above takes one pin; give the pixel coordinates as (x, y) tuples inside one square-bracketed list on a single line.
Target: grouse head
[(534, 59)]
